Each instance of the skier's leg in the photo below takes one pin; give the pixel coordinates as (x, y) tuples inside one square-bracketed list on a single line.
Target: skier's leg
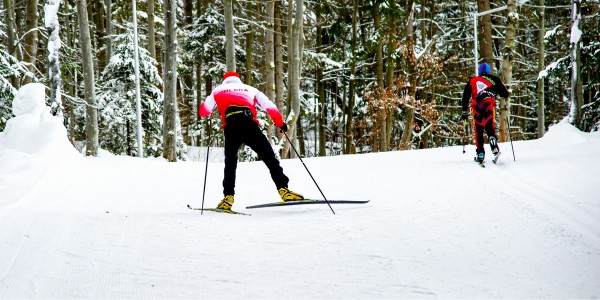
[(478, 125), (232, 145), (478, 131), (257, 141), (490, 127)]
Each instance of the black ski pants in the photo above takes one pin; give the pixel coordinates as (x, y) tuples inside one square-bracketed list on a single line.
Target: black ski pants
[(245, 131)]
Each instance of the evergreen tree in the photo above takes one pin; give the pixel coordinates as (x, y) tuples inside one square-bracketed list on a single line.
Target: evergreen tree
[(116, 100)]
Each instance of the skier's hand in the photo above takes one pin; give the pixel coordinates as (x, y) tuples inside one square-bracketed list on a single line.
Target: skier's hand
[(464, 116), (284, 128)]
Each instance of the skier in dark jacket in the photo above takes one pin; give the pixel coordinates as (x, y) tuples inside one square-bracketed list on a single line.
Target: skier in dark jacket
[(481, 91), (237, 103)]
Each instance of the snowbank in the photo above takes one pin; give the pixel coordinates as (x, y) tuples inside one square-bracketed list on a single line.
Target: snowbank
[(30, 143), (564, 134)]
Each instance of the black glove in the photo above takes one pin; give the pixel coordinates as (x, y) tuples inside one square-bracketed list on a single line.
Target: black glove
[(283, 128), (464, 116)]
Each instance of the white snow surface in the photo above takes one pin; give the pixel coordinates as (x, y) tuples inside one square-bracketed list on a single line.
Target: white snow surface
[(437, 226)]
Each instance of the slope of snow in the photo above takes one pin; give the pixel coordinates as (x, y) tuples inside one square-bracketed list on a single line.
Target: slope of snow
[(437, 224)]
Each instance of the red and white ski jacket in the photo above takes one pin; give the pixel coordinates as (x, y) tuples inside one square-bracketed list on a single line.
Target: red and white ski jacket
[(232, 92)]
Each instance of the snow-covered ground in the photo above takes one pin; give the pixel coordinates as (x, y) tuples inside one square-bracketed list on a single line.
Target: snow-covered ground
[(437, 226)]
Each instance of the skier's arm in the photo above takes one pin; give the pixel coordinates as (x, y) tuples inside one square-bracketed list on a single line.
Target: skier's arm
[(502, 90), (466, 96), (265, 104), (207, 107), (499, 88)]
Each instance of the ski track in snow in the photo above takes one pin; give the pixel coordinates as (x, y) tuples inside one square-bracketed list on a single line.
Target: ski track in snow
[(437, 226)]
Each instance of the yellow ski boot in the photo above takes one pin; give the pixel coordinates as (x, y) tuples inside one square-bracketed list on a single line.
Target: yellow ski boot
[(287, 195), (226, 203)]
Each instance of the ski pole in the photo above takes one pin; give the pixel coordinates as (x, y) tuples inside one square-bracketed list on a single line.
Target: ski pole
[(465, 135), (206, 167), (313, 179), (511, 143)]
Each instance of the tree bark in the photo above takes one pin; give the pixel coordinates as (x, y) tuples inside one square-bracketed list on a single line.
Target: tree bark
[(229, 35), (31, 39), (409, 111), (151, 30), (485, 33), (540, 84), (100, 33), (11, 32), (91, 122), (279, 85), (54, 46), (349, 149), (509, 50), (576, 86), (295, 62), (270, 54), (381, 116), (109, 28), (320, 87), (170, 83)]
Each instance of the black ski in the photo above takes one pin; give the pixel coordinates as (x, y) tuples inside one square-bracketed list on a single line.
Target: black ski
[(307, 201), (496, 157), (225, 211)]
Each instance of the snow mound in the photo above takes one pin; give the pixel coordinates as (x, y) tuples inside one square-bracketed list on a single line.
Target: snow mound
[(29, 100), (31, 142), (564, 134)]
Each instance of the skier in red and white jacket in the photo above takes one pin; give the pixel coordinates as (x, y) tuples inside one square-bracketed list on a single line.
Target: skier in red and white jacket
[(237, 103), (481, 92)]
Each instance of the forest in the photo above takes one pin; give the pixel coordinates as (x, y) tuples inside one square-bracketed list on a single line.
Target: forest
[(349, 76)]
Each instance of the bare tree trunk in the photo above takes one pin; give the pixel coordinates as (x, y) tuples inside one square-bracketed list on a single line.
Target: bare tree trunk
[(485, 33), (381, 116), (186, 106), (279, 85), (540, 84), (109, 28), (409, 111), (54, 47), (230, 41), (170, 83), (576, 86), (270, 56), (31, 39), (11, 32), (100, 33), (509, 50), (295, 60), (389, 73), (320, 87), (91, 122), (151, 30), (349, 149)]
